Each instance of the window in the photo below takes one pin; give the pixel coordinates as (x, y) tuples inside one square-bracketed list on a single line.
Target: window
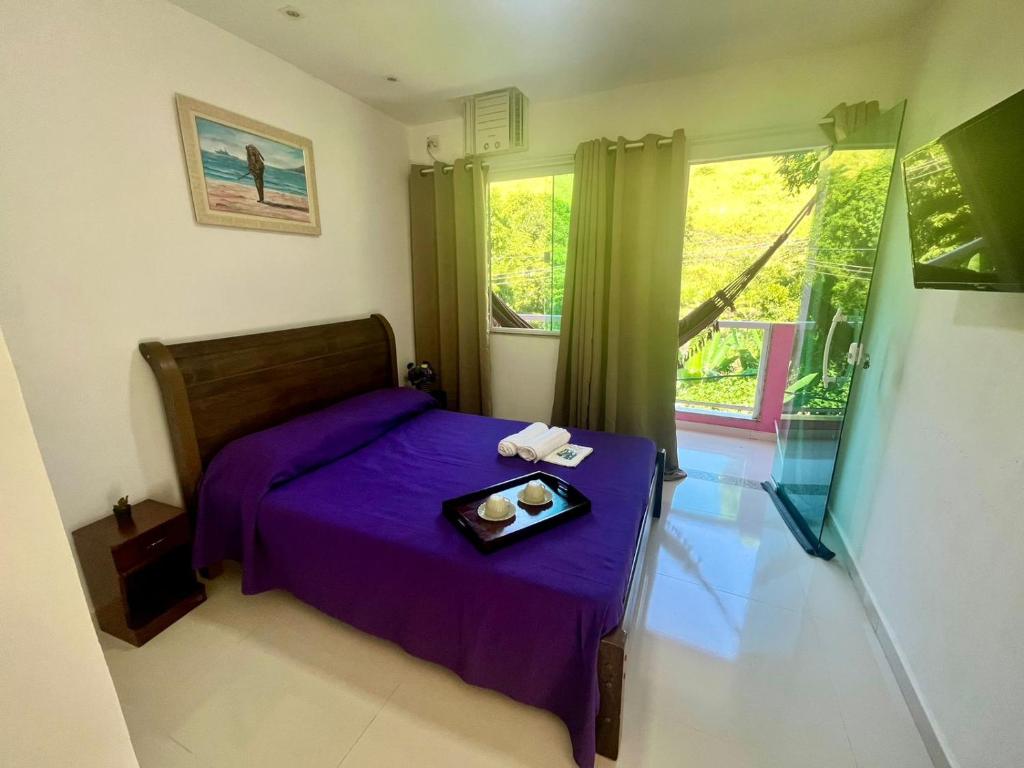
[(529, 238)]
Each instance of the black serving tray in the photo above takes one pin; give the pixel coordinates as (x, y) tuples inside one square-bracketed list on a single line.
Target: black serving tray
[(529, 519)]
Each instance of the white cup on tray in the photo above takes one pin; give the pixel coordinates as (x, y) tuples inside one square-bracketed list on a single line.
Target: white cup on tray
[(535, 493), (496, 507)]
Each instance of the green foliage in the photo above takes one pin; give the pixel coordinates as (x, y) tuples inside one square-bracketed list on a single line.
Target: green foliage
[(529, 237), (940, 217), (799, 385), (852, 193), (855, 185), (730, 351), (724, 370), (816, 399), (735, 210), (726, 391), (798, 170)]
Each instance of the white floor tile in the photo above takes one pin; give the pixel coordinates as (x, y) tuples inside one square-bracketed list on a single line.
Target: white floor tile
[(153, 749), (747, 654), (274, 711), (731, 538), (875, 715), (766, 565), (661, 742), (434, 719), (170, 661), (739, 670), (722, 454), (747, 508)]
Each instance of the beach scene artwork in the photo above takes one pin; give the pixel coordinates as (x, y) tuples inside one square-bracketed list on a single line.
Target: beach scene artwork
[(230, 183), (246, 174)]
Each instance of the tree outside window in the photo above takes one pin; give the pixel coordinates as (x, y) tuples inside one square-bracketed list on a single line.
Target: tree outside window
[(529, 238)]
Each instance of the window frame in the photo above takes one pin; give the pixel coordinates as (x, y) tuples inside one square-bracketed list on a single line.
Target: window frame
[(536, 169)]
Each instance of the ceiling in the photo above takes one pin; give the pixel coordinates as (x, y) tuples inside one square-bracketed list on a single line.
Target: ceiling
[(551, 49)]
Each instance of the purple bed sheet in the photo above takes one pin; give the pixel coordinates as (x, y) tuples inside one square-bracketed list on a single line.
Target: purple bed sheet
[(342, 508)]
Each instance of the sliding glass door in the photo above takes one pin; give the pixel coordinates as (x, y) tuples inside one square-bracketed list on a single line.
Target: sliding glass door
[(853, 187)]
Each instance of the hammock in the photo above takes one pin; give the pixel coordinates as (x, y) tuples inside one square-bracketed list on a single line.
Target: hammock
[(700, 324), (503, 316)]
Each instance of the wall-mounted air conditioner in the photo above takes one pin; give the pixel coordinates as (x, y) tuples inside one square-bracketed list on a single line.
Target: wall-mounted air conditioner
[(496, 122)]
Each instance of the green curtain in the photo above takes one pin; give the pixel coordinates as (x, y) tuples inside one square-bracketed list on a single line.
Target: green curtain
[(620, 316), (449, 268)]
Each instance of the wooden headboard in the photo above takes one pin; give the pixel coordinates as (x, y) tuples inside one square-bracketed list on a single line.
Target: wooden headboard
[(217, 390)]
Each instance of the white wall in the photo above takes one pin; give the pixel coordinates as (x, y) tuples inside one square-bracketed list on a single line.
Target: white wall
[(58, 705), (99, 248), (930, 491), (772, 106), (523, 386)]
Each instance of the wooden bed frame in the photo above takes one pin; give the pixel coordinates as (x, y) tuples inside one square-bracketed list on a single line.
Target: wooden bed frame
[(217, 390)]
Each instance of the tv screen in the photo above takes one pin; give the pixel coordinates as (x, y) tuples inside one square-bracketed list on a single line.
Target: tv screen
[(965, 199)]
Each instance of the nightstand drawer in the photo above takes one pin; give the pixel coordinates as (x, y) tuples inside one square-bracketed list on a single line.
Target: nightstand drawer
[(151, 545)]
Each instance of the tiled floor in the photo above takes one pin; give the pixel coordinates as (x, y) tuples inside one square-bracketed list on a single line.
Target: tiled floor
[(749, 654)]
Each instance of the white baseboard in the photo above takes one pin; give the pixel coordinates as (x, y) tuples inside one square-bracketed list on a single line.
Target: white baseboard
[(935, 745)]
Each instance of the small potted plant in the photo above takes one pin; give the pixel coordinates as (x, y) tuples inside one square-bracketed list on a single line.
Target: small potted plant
[(123, 511)]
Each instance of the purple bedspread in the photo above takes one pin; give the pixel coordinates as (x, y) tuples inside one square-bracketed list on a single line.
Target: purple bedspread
[(343, 509)]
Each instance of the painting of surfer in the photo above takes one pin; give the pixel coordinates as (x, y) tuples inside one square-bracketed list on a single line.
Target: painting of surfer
[(256, 166), (248, 178)]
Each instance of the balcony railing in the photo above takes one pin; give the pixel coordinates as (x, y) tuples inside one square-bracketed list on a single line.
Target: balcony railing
[(726, 376)]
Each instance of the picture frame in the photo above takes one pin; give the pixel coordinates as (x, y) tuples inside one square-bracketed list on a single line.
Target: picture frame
[(244, 173)]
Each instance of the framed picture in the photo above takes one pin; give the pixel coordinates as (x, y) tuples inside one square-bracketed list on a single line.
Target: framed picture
[(244, 173)]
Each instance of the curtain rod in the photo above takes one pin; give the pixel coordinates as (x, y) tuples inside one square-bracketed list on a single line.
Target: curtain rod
[(639, 144), (714, 138), (628, 145), (448, 168)]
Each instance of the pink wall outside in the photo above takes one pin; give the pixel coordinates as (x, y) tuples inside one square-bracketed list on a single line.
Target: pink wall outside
[(780, 348)]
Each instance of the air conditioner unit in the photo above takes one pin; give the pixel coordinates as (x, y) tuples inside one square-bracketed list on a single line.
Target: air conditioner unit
[(496, 122)]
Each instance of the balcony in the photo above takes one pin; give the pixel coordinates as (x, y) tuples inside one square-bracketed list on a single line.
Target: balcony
[(738, 377)]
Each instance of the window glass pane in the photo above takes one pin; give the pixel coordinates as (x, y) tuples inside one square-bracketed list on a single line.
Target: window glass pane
[(529, 233)]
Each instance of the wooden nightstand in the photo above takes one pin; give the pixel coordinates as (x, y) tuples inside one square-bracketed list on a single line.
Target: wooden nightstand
[(140, 575)]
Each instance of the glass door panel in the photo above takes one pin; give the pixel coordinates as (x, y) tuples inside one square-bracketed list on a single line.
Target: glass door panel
[(853, 187)]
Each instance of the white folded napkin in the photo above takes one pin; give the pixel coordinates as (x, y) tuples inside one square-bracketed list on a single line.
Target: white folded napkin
[(543, 445), (511, 444), (568, 455)]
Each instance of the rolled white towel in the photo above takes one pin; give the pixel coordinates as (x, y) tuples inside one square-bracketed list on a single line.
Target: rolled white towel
[(510, 445), (544, 445)]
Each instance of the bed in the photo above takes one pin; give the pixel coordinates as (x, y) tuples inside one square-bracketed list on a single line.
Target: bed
[(300, 457)]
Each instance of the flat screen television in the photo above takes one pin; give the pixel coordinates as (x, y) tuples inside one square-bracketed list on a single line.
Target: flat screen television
[(965, 199)]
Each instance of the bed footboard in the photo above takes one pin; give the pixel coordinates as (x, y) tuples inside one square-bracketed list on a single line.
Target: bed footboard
[(611, 657)]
